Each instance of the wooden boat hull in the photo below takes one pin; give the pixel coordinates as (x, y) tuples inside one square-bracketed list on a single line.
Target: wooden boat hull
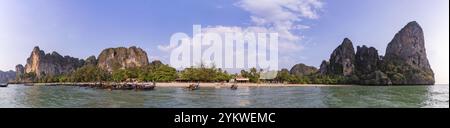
[(193, 87), (234, 87), (145, 87)]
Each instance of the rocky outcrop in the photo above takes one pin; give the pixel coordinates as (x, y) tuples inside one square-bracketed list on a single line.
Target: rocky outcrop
[(324, 67), (20, 71), (367, 63), (120, 58), (7, 76), (341, 60), (91, 61), (366, 60), (156, 62), (405, 61), (42, 64), (406, 58), (302, 70)]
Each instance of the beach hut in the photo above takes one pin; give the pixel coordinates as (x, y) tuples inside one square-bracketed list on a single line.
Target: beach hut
[(267, 80), (241, 80)]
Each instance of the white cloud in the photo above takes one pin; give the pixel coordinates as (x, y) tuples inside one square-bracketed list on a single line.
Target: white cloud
[(289, 47), (280, 16)]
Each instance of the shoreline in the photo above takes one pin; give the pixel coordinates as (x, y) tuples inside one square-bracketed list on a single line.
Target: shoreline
[(182, 84), (140, 85)]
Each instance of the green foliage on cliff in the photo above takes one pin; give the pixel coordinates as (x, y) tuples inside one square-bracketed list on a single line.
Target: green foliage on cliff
[(31, 76), (89, 73)]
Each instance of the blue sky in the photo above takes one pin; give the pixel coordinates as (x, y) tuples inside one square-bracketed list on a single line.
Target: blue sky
[(81, 28)]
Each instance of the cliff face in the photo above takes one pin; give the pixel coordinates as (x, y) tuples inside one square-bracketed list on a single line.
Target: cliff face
[(7, 76), (20, 70), (367, 67), (302, 69), (406, 58), (405, 62), (91, 61), (366, 59), (119, 58), (50, 64), (341, 60)]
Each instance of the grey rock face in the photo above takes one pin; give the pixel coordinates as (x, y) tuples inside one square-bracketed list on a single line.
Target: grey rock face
[(302, 69), (408, 45), (91, 61), (120, 58), (50, 64), (7, 76), (366, 60), (341, 60), (406, 59), (324, 67), (20, 70)]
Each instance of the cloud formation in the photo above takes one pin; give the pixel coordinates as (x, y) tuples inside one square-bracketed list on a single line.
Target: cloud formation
[(281, 16)]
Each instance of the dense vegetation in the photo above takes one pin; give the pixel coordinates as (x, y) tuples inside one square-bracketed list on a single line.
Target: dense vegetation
[(253, 75), (284, 76), (159, 72), (204, 74)]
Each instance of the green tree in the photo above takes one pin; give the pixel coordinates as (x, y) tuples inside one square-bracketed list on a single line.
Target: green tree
[(119, 75), (204, 74), (164, 73), (284, 76), (253, 75)]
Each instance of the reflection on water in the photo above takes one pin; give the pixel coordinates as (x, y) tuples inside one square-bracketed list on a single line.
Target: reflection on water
[(254, 97)]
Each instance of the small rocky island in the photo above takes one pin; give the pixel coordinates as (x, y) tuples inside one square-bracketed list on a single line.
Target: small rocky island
[(405, 63)]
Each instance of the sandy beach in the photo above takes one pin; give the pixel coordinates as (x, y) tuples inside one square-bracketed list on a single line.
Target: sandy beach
[(209, 85), (224, 85)]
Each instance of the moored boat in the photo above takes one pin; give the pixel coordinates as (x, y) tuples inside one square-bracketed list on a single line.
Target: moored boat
[(145, 87), (194, 86), (4, 85), (234, 87), (125, 87)]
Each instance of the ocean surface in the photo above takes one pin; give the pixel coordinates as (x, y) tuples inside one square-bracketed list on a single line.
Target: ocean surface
[(436, 96)]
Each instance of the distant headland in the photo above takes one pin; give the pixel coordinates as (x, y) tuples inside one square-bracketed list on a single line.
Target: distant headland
[(405, 63)]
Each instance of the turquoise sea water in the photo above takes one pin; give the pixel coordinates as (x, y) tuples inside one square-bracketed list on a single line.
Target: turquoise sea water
[(252, 97)]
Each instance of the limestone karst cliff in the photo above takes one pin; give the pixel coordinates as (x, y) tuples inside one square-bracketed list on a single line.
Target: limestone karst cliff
[(6, 76), (367, 67), (302, 70), (405, 61), (119, 58), (341, 60), (42, 64)]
